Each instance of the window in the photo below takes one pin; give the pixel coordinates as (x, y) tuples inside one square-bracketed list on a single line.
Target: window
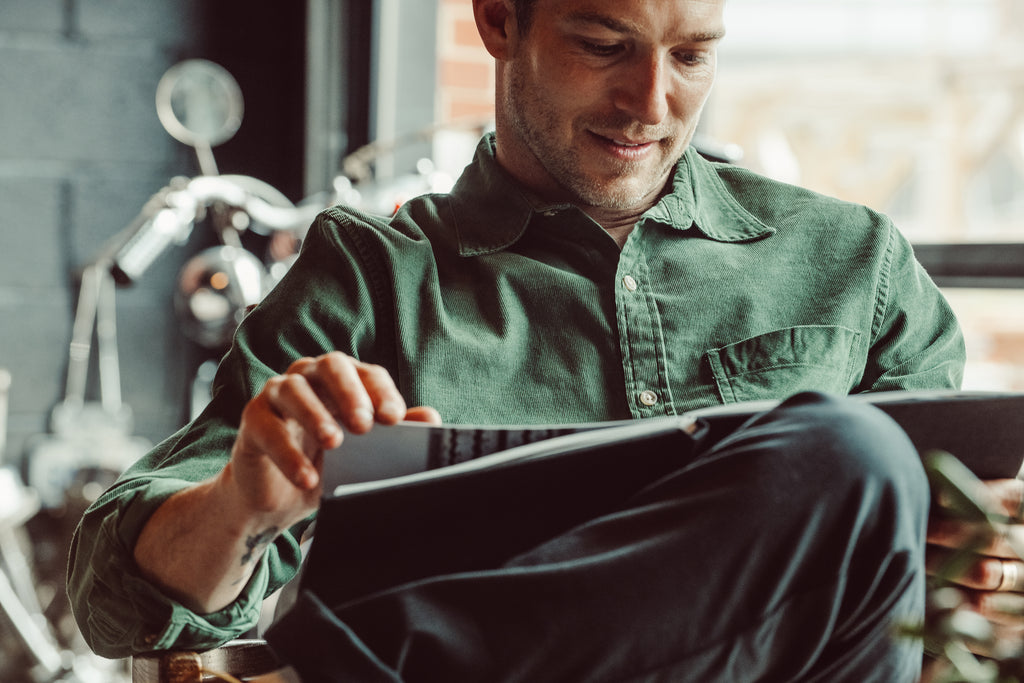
[(913, 107)]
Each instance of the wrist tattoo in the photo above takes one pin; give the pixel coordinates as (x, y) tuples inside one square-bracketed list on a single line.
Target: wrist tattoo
[(256, 543)]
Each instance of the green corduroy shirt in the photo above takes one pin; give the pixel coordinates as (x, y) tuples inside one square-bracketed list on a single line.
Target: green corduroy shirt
[(495, 307)]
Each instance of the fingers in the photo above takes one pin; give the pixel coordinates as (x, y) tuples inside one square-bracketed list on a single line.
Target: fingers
[(297, 414), (357, 394), (984, 558), (264, 434), (994, 589), (997, 540), (290, 397), (999, 496), (1008, 495), (980, 572), (1003, 499), (423, 414), (286, 428), (1006, 609)]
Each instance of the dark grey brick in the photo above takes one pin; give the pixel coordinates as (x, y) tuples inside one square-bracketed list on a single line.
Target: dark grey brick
[(161, 21), (34, 337), (81, 150), (153, 359), (30, 222), (37, 16), (105, 201), (155, 362), (76, 103)]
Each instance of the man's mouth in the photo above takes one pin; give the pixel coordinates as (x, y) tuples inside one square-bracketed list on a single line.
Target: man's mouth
[(624, 142), (630, 143), (627, 149)]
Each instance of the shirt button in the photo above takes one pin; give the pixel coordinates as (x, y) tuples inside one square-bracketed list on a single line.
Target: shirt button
[(550, 212), (629, 283), (648, 398)]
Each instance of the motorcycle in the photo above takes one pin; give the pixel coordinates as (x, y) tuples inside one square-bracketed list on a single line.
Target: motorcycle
[(90, 442), (257, 234)]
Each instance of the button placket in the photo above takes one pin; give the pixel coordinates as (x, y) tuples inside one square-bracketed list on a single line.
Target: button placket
[(640, 338)]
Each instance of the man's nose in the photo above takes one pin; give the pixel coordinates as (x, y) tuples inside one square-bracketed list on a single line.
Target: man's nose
[(643, 90)]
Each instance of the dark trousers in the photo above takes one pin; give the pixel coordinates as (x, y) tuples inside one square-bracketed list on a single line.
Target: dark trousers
[(790, 550)]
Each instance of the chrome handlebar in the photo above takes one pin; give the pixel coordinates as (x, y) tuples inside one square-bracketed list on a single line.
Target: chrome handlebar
[(170, 215)]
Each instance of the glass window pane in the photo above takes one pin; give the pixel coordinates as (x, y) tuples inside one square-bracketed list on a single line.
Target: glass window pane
[(913, 107), (993, 324)]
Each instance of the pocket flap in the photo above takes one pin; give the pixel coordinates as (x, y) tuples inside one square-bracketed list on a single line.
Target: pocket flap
[(783, 362)]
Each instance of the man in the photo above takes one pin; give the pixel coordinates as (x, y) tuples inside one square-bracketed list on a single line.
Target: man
[(588, 266)]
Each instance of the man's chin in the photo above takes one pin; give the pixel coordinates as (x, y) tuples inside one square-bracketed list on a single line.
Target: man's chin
[(617, 195)]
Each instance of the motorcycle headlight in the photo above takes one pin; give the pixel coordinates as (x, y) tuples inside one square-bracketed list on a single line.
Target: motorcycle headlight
[(214, 289)]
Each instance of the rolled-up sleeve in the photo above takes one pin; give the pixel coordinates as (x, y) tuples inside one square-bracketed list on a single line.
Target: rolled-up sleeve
[(119, 612)]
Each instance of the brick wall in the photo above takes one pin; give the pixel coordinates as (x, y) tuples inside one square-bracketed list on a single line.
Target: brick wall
[(80, 151), (465, 70)]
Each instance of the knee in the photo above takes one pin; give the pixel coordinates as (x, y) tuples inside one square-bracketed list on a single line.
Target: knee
[(853, 445), (829, 445)]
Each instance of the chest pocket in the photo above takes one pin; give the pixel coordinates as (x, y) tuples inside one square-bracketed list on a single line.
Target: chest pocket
[(778, 364)]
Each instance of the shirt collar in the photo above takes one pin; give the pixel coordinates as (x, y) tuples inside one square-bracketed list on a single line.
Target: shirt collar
[(492, 210)]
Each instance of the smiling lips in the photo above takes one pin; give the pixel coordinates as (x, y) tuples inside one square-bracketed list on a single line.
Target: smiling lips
[(625, 149), (626, 143)]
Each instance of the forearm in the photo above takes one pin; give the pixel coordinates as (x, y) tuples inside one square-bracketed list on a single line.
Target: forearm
[(201, 547)]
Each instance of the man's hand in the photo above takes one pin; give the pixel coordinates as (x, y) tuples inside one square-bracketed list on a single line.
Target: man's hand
[(994, 581), (277, 457), (203, 543)]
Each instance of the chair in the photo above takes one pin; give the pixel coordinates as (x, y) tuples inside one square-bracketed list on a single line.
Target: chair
[(239, 660)]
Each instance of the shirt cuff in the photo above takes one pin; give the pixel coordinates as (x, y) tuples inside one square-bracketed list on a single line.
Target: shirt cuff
[(123, 613)]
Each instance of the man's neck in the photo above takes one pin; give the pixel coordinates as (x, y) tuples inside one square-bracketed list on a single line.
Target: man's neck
[(618, 224)]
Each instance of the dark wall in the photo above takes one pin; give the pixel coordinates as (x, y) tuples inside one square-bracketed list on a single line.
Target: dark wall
[(81, 149), (263, 46)]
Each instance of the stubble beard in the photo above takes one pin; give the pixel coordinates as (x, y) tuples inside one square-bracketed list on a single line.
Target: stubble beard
[(533, 120)]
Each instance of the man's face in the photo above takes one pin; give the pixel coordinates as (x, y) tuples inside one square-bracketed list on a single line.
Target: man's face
[(601, 97)]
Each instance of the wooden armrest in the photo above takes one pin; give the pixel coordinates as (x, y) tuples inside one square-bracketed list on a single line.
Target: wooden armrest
[(243, 659)]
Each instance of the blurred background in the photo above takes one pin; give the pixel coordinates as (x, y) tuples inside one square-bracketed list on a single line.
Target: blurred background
[(914, 107)]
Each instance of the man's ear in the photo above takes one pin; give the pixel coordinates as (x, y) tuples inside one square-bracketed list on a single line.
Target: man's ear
[(495, 20)]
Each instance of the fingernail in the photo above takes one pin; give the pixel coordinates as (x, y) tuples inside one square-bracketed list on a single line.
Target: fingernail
[(392, 408), (362, 418), (330, 431), (310, 478)]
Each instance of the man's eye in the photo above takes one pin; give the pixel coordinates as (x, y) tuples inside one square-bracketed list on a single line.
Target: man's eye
[(600, 49), (692, 58)]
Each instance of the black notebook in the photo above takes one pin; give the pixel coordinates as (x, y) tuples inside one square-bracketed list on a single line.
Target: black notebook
[(412, 501)]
